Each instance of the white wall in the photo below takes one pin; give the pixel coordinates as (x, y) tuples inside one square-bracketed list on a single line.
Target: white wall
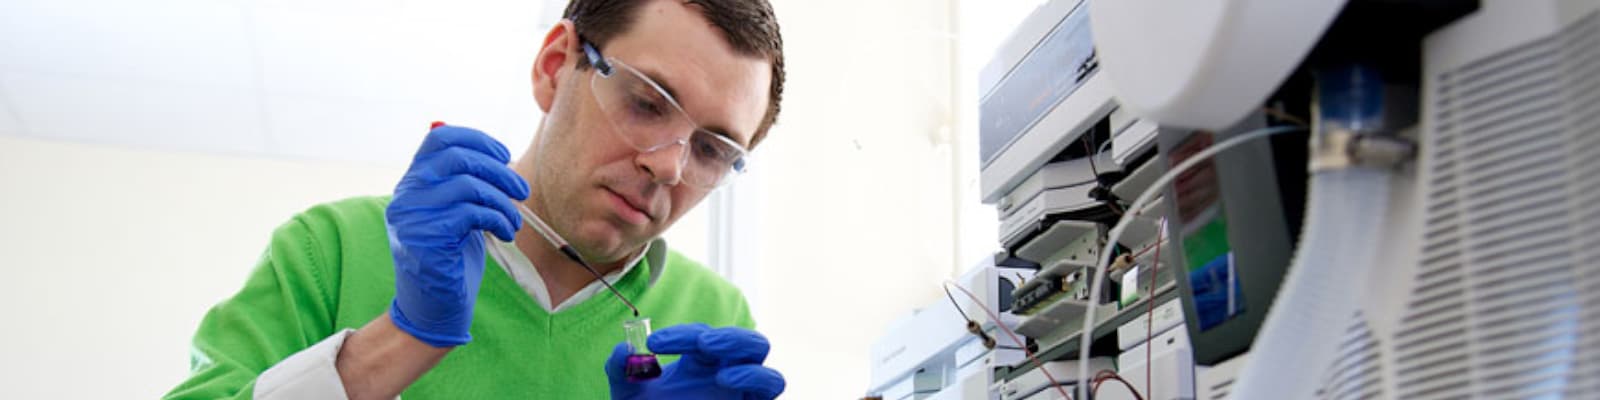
[(112, 255), (869, 192), (857, 207)]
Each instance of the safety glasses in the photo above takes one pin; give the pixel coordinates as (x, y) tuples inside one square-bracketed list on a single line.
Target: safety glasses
[(646, 117)]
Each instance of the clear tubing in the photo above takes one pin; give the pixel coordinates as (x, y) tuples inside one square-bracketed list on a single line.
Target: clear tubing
[(1300, 338), (1338, 246), (539, 226), (1133, 211)]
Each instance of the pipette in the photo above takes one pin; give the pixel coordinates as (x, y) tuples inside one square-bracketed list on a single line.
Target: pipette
[(561, 245), (642, 365)]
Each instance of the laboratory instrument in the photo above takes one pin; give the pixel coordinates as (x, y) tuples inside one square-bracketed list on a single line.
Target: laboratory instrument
[(1034, 385), (932, 351), (1333, 199), (1062, 190), (1040, 94)]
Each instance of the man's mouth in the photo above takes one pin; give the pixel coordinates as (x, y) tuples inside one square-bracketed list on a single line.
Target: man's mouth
[(629, 210)]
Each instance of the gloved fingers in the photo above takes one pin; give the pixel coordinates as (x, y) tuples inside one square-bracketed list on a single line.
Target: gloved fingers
[(734, 345), (677, 339), (462, 189), (684, 340), (729, 344), (755, 381), (616, 365), (617, 374), (452, 161), (471, 217), (456, 136)]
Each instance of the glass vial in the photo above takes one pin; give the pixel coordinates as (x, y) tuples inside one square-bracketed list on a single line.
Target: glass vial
[(642, 365)]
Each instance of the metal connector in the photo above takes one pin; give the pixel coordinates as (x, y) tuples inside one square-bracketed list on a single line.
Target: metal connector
[(1341, 149)]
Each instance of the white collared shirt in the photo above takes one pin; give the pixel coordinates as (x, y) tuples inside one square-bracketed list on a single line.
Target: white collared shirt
[(521, 270)]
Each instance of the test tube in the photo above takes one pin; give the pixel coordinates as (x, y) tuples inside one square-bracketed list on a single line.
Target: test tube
[(642, 365)]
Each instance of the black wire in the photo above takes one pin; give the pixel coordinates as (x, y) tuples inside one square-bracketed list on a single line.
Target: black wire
[(1093, 151), (953, 302), (1075, 184), (1090, 149), (572, 253)]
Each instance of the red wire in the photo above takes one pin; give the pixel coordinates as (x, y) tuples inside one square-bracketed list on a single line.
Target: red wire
[(1150, 318), (1013, 335), (1147, 249), (1105, 375)]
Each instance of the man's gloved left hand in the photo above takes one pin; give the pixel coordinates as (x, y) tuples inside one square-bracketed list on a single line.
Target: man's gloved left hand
[(716, 364)]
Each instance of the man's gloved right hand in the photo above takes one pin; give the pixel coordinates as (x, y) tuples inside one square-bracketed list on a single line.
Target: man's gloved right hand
[(457, 186)]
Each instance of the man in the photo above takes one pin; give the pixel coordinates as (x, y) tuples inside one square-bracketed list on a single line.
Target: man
[(648, 106)]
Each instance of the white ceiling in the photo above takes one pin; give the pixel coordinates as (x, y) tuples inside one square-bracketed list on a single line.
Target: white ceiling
[(354, 80)]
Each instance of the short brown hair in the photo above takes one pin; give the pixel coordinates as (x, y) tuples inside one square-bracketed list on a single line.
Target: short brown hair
[(749, 26)]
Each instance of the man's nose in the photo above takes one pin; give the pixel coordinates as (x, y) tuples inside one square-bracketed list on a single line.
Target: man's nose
[(664, 164)]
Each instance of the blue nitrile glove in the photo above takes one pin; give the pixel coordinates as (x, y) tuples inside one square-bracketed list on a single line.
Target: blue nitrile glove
[(716, 364), (458, 186)]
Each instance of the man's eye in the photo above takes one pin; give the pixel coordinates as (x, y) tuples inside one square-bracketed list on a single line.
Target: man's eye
[(645, 107), (707, 151)]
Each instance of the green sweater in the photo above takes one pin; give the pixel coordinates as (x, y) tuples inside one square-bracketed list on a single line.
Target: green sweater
[(329, 268)]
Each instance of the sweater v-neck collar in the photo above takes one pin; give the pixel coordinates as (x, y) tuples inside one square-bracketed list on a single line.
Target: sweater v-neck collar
[(522, 276)]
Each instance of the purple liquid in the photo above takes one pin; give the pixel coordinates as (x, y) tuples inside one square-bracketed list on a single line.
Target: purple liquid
[(642, 367)]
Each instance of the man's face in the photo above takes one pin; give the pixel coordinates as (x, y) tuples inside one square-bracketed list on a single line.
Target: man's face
[(594, 188)]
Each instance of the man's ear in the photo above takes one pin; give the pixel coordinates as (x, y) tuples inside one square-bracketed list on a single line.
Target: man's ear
[(559, 45)]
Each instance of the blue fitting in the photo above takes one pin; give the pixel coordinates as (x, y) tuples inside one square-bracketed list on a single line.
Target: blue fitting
[(1350, 97)]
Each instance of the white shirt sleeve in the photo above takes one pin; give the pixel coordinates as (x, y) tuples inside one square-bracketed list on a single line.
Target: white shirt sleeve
[(309, 374)]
